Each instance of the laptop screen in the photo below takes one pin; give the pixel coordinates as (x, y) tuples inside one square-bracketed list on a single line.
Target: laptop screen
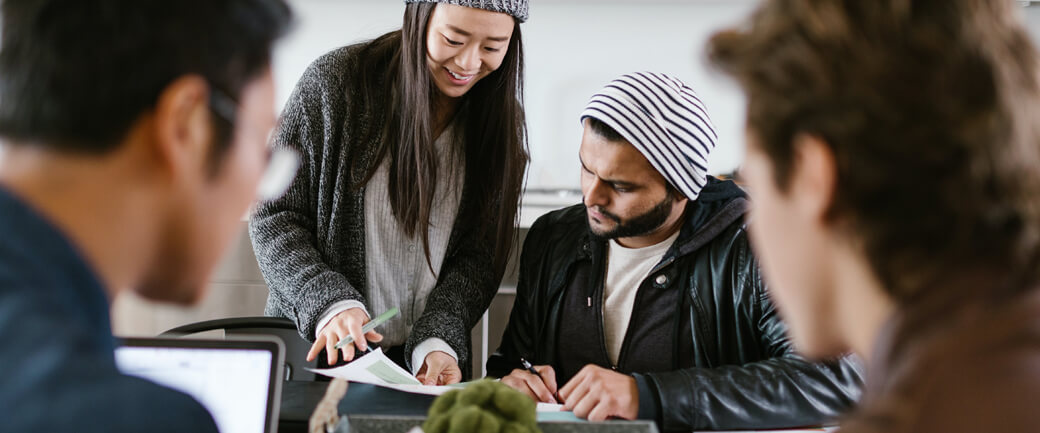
[(234, 380)]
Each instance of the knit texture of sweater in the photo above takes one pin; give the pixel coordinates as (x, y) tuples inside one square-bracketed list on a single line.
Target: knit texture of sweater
[(310, 243)]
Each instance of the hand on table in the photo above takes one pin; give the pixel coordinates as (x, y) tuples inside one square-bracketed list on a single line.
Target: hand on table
[(439, 368), (597, 393), (346, 323), (540, 389)]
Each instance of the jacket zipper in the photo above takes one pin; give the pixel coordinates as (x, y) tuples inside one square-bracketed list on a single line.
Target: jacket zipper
[(662, 265), (598, 291)]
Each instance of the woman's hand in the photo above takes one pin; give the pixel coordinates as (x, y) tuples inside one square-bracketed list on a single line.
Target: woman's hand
[(346, 323), (439, 369)]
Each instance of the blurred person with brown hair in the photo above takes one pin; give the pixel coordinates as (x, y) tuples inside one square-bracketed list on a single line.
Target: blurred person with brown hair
[(893, 155)]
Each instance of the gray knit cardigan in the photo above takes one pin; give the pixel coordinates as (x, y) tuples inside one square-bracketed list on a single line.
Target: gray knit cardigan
[(310, 243)]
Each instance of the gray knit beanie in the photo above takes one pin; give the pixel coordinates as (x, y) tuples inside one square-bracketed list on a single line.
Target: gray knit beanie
[(516, 8)]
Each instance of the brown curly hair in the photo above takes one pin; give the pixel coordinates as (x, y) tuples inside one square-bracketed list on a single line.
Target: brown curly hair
[(931, 110)]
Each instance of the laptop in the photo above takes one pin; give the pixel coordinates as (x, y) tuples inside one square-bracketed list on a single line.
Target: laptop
[(238, 380)]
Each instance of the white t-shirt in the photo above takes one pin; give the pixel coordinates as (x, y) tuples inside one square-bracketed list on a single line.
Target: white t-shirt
[(626, 270)]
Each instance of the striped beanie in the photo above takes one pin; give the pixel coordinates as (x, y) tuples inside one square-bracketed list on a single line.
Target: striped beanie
[(516, 8), (663, 118)]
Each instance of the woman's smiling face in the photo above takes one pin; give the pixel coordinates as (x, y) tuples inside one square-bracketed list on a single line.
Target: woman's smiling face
[(464, 45)]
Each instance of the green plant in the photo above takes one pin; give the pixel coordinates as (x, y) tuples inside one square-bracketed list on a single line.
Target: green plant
[(485, 406)]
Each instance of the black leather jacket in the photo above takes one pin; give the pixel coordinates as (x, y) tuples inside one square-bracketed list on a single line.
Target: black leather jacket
[(745, 373)]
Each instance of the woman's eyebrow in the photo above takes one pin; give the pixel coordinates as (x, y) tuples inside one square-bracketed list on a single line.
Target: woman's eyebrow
[(467, 34)]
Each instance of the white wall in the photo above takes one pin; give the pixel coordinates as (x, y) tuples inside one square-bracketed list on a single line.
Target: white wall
[(573, 48)]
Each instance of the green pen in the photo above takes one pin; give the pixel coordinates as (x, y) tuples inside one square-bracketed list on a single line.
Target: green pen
[(368, 327)]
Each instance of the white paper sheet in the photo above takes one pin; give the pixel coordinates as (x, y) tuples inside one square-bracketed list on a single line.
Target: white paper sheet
[(376, 369), (373, 367), (549, 407)]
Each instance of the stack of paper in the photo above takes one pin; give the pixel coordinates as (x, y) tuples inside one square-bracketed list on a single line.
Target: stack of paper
[(376, 369)]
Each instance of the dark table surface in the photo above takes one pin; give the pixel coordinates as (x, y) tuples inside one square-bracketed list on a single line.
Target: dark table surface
[(298, 402), (300, 398), (377, 409)]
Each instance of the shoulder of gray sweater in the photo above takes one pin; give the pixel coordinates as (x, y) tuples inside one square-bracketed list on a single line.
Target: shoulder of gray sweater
[(326, 96), (329, 75)]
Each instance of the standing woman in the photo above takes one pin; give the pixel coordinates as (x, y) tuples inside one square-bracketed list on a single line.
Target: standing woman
[(414, 151)]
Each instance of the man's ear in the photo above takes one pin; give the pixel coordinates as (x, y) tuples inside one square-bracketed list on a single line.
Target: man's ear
[(814, 177), (183, 129)]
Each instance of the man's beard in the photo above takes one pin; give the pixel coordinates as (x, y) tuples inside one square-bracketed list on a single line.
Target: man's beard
[(638, 225)]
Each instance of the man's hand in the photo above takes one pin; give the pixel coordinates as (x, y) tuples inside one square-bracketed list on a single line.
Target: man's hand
[(539, 389), (346, 323), (439, 369), (596, 394)]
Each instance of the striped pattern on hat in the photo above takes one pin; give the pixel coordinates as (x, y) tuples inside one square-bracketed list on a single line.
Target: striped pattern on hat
[(516, 8), (663, 118)]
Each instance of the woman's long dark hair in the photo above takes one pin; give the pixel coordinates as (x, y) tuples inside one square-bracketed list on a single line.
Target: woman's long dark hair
[(490, 121)]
